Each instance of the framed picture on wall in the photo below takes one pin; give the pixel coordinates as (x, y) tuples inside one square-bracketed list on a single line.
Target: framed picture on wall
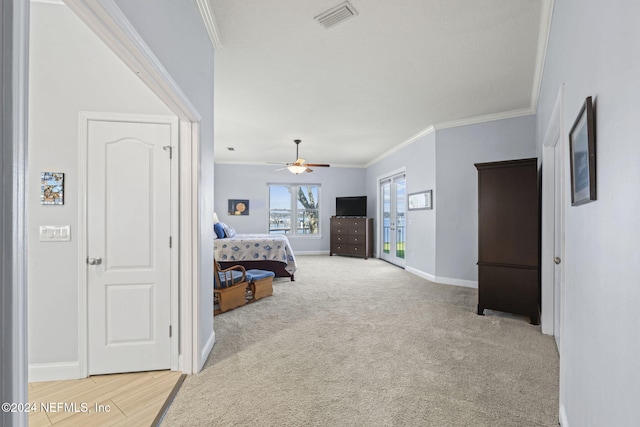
[(238, 207), (421, 200), (52, 188), (582, 151)]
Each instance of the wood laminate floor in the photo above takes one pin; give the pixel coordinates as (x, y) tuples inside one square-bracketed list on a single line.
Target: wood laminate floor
[(134, 399)]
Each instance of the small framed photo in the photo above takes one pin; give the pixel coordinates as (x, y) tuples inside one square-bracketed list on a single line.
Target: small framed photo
[(238, 207), (582, 150), (421, 200), (51, 188)]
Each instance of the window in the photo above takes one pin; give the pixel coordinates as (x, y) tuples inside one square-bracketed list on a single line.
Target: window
[(294, 209)]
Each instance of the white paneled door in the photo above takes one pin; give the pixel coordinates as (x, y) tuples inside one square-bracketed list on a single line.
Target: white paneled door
[(128, 245)]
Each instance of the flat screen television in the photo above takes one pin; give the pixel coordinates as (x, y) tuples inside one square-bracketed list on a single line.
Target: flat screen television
[(351, 206)]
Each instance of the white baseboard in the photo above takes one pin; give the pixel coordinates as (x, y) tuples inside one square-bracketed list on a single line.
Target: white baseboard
[(564, 422), (457, 282), (59, 371), (312, 252), (204, 354), (443, 280), (420, 273)]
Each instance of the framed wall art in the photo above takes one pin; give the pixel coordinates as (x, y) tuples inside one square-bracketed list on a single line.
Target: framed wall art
[(52, 188), (582, 151), (421, 200), (238, 207)]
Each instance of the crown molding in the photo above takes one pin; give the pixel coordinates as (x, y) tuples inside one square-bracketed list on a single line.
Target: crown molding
[(209, 22), (486, 118), (400, 146), (546, 15), (58, 2)]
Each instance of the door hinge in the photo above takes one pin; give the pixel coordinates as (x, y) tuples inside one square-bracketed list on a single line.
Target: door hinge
[(170, 149), (170, 241), (170, 331)]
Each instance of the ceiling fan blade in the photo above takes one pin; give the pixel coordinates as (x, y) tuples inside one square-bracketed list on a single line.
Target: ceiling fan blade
[(299, 162), (318, 165), (308, 170), (281, 169)]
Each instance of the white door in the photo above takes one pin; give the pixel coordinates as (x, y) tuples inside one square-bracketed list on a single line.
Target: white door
[(128, 245), (557, 242), (394, 215)]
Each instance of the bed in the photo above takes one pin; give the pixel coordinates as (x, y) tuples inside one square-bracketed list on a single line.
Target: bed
[(262, 251)]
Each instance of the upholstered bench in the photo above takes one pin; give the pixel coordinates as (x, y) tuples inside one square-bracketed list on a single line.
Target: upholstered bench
[(260, 283)]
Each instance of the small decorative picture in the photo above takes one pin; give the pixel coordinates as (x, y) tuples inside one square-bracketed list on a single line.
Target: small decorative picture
[(238, 207), (421, 200), (51, 188), (582, 147)]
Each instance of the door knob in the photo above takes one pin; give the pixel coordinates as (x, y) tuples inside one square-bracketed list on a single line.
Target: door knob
[(94, 261), (557, 260)]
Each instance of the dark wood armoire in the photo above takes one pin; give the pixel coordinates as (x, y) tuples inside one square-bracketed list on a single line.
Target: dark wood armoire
[(509, 237)]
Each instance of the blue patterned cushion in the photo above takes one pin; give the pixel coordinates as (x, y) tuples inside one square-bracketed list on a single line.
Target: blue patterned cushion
[(219, 230), (228, 230), (229, 278)]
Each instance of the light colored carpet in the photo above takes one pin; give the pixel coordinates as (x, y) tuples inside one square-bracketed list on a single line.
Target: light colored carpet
[(357, 342)]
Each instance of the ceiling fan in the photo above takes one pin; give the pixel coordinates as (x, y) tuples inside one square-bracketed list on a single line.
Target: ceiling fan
[(299, 165)]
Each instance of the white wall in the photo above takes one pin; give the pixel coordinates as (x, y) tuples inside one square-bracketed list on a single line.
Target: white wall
[(176, 34), (457, 149), (593, 50), (71, 70), (250, 182)]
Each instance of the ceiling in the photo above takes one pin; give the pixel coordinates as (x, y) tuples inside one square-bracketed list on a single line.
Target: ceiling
[(374, 82)]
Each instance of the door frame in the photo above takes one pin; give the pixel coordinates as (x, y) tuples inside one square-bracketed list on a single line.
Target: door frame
[(391, 174), (84, 117), (553, 136), (14, 52), (107, 21)]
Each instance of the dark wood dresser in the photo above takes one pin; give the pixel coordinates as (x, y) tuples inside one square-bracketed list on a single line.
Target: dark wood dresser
[(509, 237), (351, 236)]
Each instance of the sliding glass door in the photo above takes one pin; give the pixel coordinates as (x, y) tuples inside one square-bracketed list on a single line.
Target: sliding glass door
[(393, 195)]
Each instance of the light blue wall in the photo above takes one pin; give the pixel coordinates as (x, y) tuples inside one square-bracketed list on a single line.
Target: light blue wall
[(235, 181), (457, 149), (594, 50), (176, 34), (418, 159), (442, 244)]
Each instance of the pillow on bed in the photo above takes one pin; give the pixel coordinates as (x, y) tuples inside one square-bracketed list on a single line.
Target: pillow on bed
[(228, 231), (219, 230)]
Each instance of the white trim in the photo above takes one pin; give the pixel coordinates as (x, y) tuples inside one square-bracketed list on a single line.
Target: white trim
[(56, 2), (486, 118), (543, 40), (14, 18), (175, 243), (564, 420), (209, 22), (208, 346), (553, 134), (457, 282), (81, 239), (420, 273), (57, 371), (312, 253), (443, 280), (400, 146), (106, 19)]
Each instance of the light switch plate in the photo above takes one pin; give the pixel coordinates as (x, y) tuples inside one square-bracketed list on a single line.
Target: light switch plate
[(55, 233)]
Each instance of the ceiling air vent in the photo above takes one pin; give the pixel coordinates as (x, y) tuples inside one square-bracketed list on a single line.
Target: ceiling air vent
[(336, 15)]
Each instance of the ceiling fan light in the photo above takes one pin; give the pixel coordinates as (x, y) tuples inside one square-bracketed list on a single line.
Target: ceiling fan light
[(297, 169)]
